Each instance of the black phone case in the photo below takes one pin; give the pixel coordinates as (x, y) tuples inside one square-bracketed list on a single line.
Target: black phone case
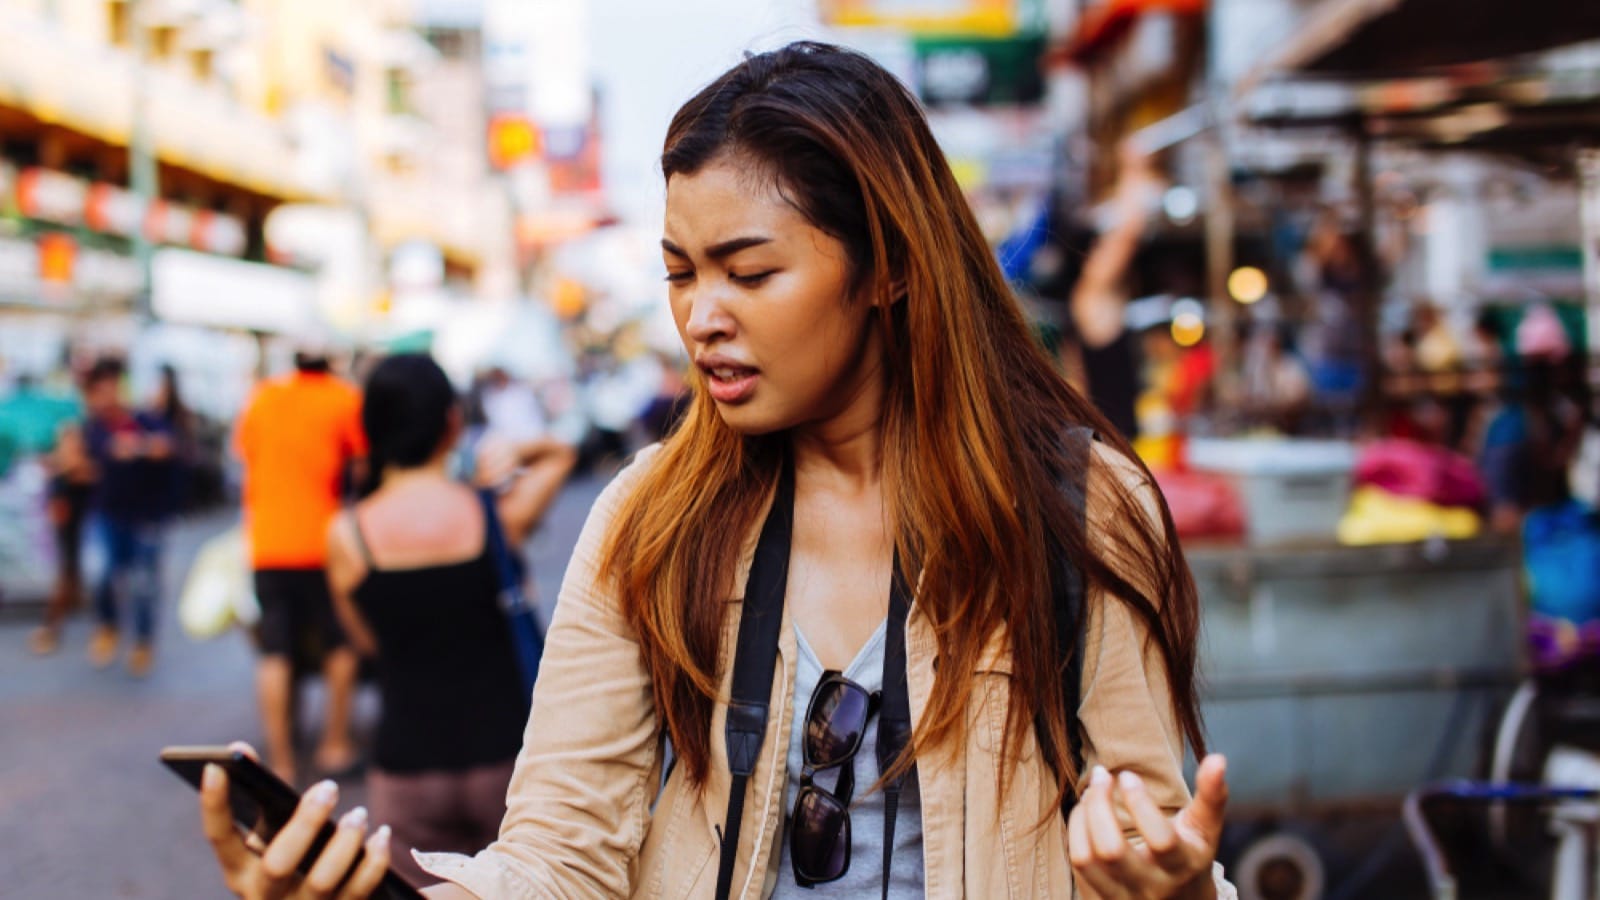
[(262, 803)]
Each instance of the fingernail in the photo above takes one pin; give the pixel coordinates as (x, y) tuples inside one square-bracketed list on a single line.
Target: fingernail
[(211, 776), (324, 793), (355, 818), (1130, 781), (380, 839), (1100, 777)]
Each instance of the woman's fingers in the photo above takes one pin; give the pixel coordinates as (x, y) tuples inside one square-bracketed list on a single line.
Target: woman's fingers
[(339, 855), (1203, 817), (1080, 851), (216, 817), (1105, 832), (294, 839), (364, 880), (1160, 837), (1113, 870)]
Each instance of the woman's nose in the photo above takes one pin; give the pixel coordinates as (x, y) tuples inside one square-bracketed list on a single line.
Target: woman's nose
[(709, 318)]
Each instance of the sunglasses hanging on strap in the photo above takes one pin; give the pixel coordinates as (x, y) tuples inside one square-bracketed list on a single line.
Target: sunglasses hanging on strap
[(756, 656)]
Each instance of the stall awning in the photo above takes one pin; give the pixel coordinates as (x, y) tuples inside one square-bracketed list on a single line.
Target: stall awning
[(1102, 25), (1381, 38)]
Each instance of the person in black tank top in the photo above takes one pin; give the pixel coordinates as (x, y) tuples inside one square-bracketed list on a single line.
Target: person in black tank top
[(416, 588), (443, 639)]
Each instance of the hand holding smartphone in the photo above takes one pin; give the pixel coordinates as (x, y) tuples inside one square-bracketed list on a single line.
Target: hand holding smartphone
[(295, 832)]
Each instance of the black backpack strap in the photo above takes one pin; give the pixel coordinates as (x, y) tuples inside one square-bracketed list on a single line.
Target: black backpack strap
[(754, 661), (894, 716), (1068, 592)]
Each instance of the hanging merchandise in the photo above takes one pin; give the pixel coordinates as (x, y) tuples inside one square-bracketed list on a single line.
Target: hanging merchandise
[(1561, 547)]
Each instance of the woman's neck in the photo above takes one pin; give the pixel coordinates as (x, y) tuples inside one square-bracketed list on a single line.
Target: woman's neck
[(845, 455), (436, 469)]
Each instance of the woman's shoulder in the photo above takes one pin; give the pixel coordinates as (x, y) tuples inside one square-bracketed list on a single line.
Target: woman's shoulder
[(1114, 478), (1111, 464)]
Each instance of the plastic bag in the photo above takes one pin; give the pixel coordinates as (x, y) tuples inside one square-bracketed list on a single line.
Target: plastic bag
[(217, 594)]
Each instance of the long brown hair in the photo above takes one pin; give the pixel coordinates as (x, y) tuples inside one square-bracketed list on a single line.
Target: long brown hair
[(971, 429)]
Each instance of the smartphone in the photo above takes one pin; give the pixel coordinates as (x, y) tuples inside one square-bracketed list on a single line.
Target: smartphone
[(262, 803)]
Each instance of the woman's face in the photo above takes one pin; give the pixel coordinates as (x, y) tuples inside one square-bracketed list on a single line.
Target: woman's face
[(762, 302)]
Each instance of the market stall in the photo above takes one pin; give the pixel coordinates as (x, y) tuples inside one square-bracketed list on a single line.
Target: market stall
[(1343, 661)]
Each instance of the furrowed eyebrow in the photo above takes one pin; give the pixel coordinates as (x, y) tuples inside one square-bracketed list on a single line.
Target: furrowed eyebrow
[(719, 251)]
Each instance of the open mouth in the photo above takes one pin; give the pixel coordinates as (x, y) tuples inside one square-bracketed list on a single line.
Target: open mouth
[(729, 374), (730, 383)]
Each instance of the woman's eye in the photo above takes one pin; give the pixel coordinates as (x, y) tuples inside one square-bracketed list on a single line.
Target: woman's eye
[(679, 277), (754, 278)]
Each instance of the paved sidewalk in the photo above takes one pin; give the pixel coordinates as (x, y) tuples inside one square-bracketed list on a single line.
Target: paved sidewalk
[(86, 810)]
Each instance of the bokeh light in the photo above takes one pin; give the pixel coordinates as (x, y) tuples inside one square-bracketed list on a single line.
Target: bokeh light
[(1247, 284)]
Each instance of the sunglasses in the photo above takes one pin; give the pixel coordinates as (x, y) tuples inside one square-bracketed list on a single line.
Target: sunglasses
[(819, 827)]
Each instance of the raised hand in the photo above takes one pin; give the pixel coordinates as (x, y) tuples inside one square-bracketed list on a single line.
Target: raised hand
[(496, 463), (1175, 857)]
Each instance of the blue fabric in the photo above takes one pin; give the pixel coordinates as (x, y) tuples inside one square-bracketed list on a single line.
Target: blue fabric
[(1016, 252), (1561, 549), (130, 574), (527, 634)]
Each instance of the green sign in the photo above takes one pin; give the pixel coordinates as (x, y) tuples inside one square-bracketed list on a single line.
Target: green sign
[(979, 71)]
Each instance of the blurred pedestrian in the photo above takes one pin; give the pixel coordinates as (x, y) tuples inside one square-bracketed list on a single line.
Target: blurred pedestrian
[(416, 586), (297, 438), (671, 398), (1277, 385), (1099, 299), (872, 418), (167, 404), (72, 478), (1532, 440), (131, 454), (511, 407)]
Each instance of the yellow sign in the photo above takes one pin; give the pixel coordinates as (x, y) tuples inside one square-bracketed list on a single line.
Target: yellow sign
[(996, 18)]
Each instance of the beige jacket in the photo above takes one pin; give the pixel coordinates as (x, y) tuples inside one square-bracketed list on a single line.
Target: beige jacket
[(584, 819)]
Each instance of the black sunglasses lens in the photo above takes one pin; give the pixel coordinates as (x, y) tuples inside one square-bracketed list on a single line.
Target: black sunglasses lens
[(819, 836), (837, 721)]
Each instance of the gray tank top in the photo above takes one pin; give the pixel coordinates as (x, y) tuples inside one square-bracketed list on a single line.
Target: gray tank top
[(865, 876)]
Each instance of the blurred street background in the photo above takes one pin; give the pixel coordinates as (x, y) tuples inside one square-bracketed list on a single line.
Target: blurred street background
[(1333, 264)]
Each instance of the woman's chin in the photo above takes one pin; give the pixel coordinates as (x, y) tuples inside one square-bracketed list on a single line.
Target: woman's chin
[(750, 421)]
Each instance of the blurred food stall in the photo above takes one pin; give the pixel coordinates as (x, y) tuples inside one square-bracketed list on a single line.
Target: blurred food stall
[(1385, 219)]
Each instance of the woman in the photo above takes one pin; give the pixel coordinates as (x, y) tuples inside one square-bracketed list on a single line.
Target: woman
[(416, 587), (167, 405), (863, 376)]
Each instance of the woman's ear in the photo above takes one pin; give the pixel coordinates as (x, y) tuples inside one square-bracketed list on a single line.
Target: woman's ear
[(894, 292)]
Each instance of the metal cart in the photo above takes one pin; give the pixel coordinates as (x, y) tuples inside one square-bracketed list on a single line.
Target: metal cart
[(1339, 679)]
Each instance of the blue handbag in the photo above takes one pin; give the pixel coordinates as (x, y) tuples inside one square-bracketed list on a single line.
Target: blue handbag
[(527, 636)]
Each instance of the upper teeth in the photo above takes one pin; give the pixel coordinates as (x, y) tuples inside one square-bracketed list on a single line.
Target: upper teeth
[(723, 373)]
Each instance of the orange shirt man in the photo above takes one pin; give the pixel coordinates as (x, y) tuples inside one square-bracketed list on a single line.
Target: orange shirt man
[(296, 438)]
